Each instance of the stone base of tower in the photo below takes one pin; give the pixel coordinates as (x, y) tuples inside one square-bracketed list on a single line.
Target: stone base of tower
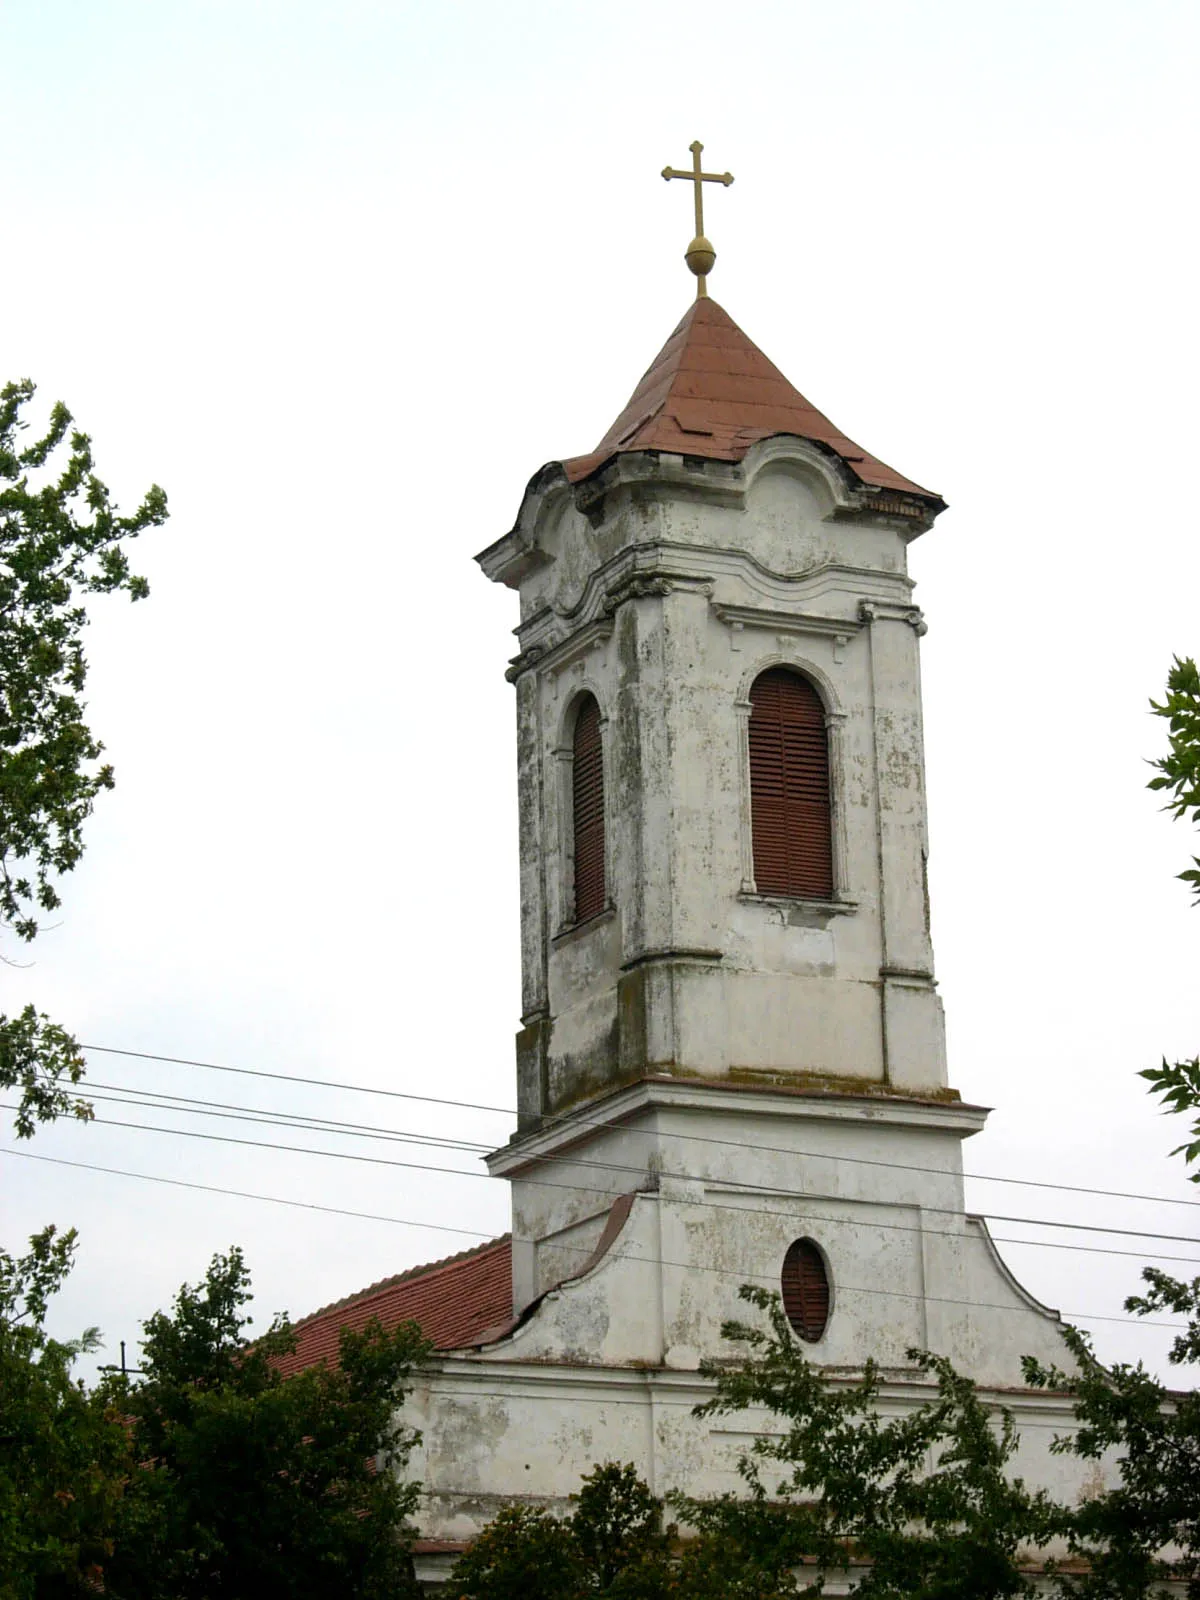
[(634, 1226), (742, 1169)]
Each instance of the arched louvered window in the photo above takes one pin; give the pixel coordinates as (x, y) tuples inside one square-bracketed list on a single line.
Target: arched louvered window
[(587, 810), (789, 787), (805, 1285)]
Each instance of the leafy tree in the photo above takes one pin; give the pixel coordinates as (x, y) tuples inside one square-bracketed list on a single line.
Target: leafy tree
[(1177, 1083), (252, 1484), (64, 1453), (61, 541), (923, 1498), (618, 1529), (524, 1553), (1122, 1533), (1178, 772), (613, 1544)]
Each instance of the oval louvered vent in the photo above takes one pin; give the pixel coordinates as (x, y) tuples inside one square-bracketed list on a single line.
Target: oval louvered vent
[(805, 1284), (587, 803), (789, 787)]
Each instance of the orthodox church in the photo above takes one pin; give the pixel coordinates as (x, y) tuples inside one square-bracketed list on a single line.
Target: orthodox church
[(731, 1064)]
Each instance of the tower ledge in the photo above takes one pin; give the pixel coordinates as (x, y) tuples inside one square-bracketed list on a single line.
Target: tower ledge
[(797, 1103)]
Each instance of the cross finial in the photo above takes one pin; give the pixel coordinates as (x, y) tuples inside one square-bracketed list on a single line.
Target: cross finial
[(699, 255)]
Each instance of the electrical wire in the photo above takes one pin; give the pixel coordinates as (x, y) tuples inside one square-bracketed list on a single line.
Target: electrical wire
[(608, 1193), (586, 1250), (150, 1098), (263, 1117), (189, 1105), (600, 1122), (248, 1194)]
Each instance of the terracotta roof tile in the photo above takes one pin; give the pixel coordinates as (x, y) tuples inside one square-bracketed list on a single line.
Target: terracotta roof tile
[(710, 392), (455, 1301)]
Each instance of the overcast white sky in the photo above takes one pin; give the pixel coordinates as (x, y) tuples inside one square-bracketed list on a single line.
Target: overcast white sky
[(341, 277)]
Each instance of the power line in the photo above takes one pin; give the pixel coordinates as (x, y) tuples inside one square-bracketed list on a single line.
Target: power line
[(284, 1119), (248, 1194), (291, 1077), (463, 1172), (600, 1122), (261, 1116), (475, 1233), (586, 1250)]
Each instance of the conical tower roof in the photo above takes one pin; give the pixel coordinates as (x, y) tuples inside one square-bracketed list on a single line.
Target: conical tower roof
[(711, 392)]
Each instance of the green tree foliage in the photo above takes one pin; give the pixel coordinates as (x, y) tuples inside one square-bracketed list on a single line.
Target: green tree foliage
[(618, 1529), (64, 1453), (252, 1484), (211, 1477), (1145, 1530), (922, 1498), (1178, 772), (524, 1553), (612, 1545), (1177, 1083), (61, 541)]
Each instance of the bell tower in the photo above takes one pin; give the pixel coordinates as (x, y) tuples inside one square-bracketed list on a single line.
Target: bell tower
[(721, 587), (731, 1064)]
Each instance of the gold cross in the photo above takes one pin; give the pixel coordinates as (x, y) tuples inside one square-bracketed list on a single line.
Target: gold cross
[(699, 255)]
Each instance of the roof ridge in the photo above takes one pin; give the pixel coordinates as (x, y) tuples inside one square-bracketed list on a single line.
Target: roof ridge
[(428, 1269)]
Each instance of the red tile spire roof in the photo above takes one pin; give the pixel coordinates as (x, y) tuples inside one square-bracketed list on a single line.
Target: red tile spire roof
[(710, 392)]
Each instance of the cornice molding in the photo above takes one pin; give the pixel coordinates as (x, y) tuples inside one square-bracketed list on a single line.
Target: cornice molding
[(887, 611), (517, 554), (649, 1096), (685, 563), (556, 635), (554, 657), (693, 477), (773, 621), (473, 1371), (652, 586), (726, 482)]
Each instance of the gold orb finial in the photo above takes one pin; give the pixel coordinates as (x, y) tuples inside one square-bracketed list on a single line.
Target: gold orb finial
[(700, 255)]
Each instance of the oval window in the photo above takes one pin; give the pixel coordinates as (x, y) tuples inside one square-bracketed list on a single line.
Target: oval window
[(805, 1284)]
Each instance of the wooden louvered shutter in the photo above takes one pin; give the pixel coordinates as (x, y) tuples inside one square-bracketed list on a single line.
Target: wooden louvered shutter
[(587, 799), (789, 787), (805, 1285)]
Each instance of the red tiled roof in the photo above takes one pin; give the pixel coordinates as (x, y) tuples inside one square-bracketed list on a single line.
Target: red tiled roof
[(710, 392), (455, 1301)]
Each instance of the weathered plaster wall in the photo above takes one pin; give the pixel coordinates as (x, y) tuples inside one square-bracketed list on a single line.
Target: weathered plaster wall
[(605, 1367)]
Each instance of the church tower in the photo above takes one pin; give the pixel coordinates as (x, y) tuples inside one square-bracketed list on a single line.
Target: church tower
[(722, 800), (730, 1065), (724, 906)]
